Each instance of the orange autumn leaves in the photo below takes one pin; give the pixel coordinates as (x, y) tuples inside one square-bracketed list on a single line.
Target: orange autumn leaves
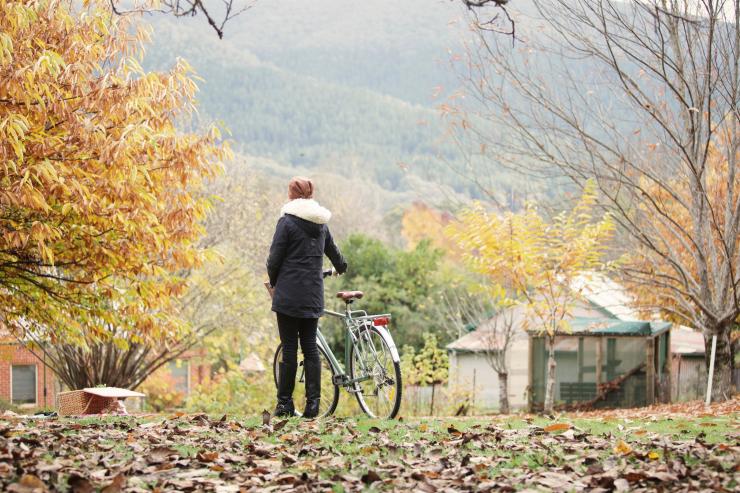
[(688, 256), (100, 194)]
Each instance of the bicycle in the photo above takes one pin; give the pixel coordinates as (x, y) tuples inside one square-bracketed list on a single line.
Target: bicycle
[(370, 355)]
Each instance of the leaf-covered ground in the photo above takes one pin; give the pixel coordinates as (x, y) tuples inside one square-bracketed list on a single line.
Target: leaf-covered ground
[(691, 449)]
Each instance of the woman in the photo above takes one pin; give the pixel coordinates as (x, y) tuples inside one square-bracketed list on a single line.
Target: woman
[(295, 268)]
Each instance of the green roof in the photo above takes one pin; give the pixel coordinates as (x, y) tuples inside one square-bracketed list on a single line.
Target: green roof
[(613, 326)]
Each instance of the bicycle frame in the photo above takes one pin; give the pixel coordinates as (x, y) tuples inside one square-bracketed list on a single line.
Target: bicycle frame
[(352, 325)]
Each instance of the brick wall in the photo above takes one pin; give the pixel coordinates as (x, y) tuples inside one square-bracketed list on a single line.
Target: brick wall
[(13, 354), (199, 368)]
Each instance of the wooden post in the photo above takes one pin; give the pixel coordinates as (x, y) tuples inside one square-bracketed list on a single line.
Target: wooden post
[(579, 357), (530, 373), (710, 374), (599, 361), (678, 378), (650, 370), (669, 366)]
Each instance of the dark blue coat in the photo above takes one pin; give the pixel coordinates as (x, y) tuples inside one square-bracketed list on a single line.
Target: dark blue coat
[(295, 266)]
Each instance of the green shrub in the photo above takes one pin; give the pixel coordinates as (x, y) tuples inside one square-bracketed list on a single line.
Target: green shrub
[(233, 392), (8, 406), (160, 391)]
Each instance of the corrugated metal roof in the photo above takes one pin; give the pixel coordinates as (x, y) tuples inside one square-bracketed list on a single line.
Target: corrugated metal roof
[(482, 338), (687, 341), (614, 326)]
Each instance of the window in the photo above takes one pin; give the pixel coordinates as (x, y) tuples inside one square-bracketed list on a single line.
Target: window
[(23, 384), (180, 371)]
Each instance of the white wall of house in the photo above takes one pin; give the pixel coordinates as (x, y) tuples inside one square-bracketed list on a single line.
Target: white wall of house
[(472, 371)]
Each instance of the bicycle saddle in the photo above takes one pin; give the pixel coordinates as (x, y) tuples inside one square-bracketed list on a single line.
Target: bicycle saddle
[(350, 295)]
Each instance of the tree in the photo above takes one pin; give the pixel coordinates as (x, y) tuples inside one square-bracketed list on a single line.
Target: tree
[(532, 262), (402, 283), (487, 15), (637, 96), (216, 14), (422, 222), (464, 299), (115, 361), (100, 206), (469, 307), (225, 301), (432, 365)]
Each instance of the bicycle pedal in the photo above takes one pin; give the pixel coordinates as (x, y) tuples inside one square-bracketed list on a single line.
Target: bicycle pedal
[(338, 379)]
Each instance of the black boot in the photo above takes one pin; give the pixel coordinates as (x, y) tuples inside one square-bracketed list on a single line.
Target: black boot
[(286, 383), (313, 387)]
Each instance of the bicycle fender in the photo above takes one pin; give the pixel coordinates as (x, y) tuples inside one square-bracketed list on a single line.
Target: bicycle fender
[(386, 335)]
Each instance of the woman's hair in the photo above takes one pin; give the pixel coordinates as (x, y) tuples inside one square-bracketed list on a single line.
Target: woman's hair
[(300, 188)]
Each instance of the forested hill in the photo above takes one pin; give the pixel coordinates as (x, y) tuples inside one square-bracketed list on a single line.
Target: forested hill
[(331, 85)]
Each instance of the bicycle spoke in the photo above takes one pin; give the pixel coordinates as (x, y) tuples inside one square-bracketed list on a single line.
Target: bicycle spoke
[(371, 358)]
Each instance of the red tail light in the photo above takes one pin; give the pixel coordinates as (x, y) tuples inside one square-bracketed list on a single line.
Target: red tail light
[(381, 321)]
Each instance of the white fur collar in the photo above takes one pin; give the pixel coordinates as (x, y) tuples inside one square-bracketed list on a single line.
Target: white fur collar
[(307, 209)]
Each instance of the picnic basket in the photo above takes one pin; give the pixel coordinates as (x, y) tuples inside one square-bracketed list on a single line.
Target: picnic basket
[(95, 400), (80, 402)]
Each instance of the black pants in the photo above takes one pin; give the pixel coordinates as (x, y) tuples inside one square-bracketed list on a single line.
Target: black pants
[(292, 330)]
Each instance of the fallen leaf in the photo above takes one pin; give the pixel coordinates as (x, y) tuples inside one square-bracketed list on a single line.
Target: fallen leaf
[(621, 484), (370, 477), (28, 484), (204, 456), (116, 485), (622, 448), (557, 427), (79, 484)]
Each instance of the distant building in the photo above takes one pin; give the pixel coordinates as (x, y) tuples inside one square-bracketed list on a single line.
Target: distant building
[(688, 365), (607, 347), (27, 381), (252, 365)]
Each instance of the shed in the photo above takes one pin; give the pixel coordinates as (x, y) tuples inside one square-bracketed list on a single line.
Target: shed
[(687, 364), (604, 362), (471, 371)]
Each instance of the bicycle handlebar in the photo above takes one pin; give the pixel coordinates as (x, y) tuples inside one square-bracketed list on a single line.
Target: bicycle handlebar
[(329, 273)]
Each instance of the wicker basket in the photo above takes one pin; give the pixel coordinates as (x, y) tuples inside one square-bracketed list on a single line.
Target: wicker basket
[(80, 402), (91, 401)]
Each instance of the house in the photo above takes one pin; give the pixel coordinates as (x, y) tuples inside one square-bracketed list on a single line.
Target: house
[(26, 380), (469, 366), (634, 355), (252, 365), (189, 370), (688, 365), (605, 362)]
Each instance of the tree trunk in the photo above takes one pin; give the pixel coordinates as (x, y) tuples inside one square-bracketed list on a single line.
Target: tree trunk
[(722, 380), (503, 392), (550, 382)]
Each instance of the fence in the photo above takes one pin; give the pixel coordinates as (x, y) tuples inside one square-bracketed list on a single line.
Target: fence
[(689, 378), (417, 401)]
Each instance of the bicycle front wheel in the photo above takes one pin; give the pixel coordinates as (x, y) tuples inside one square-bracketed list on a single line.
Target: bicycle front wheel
[(329, 391), (379, 393)]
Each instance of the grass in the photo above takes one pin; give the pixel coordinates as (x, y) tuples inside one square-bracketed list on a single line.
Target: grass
[(495, 447)]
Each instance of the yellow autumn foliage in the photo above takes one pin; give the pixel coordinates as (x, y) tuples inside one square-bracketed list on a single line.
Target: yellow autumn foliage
[(100, 194)]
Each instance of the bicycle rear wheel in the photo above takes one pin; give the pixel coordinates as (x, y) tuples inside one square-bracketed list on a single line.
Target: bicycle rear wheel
[(329, 391), (380, 395)]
